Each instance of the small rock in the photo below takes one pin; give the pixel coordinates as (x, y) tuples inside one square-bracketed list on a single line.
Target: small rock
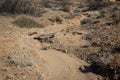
[(82, 68), (45, 38)]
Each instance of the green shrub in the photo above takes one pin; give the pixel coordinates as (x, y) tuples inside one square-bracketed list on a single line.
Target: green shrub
[(27, 23)]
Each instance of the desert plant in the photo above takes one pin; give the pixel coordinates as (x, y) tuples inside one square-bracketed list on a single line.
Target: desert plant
[(57, 19), (27, 23)]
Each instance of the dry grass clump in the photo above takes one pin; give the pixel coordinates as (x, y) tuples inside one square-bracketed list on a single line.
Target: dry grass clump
[(57, 19), (25, 22)]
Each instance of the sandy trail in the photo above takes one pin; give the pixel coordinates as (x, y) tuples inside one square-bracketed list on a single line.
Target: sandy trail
[(59, 66), (62, 67)]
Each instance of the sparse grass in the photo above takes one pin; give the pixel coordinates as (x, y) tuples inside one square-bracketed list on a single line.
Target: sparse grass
[(25, 22)]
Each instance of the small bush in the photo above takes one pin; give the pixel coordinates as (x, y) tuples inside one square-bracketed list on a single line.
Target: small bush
[(57, 19), (27, 23)]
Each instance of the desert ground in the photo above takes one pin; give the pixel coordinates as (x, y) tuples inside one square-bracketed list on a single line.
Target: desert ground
[(59, 40)]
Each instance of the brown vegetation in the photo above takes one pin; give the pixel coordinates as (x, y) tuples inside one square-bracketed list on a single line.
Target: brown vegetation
[(30, 7), (27, 23)]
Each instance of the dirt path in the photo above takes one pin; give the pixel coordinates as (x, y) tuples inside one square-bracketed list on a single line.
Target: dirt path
[(59, 66)]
